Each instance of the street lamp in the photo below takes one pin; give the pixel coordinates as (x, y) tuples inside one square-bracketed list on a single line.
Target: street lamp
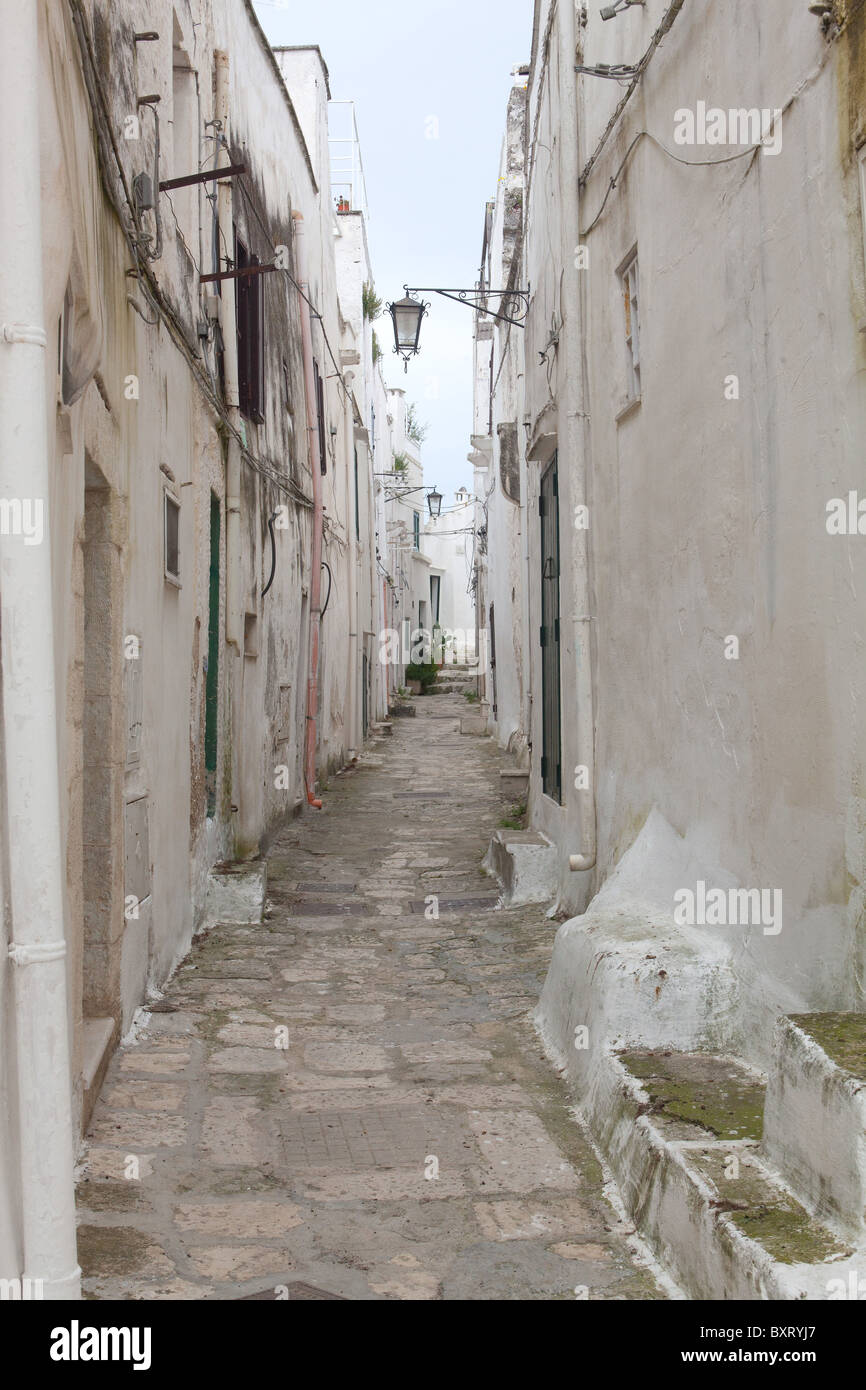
[(407, 315), (434, 502)]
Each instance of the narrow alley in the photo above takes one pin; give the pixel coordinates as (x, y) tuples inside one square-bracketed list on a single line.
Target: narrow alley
[(350, 1100), (433, 670)]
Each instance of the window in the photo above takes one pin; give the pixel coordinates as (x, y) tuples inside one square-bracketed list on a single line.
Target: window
[(320, 411), (250, 316), (629, 282), (171, 534), (416, 530)]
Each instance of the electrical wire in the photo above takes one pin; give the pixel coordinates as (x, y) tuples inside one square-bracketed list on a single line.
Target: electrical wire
[(326, 566), (271, 520), (664, 28), (691, 163), (179, 232), (137, 239)]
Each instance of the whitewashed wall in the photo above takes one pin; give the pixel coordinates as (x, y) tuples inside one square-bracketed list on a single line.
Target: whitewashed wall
[(707, 513)]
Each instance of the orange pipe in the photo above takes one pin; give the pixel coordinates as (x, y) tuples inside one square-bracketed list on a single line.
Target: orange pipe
[(316, 540)]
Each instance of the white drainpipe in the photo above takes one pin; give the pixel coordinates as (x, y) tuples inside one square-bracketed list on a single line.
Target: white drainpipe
[(228, 322), (30, 748), (574, 445), (355, 698), (311, 736)]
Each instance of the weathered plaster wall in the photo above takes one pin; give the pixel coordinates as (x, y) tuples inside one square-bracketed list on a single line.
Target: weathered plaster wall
[(708, 514)]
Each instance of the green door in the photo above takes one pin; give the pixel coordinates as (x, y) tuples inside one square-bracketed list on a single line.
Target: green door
[(212, 687)]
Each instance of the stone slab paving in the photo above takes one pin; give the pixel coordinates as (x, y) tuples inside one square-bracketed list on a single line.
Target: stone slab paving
[(350, 1097)]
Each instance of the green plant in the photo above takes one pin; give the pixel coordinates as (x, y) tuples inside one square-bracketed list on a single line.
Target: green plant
[(426, 673), (516, 820), (401, 463), (370, 301), (414, 429), (470, 696), (377, 349)]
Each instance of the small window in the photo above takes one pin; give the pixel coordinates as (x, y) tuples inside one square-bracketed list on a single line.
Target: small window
[(250, 325), (416, 530), (171, 516), (631, 308)]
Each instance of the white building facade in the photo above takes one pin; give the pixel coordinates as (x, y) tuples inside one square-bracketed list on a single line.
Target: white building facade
[(184, 381), (670, 452)]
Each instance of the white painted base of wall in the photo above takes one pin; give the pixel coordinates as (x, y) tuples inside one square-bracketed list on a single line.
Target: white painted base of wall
[(681, 1213), (625, 976), (236, 893), (96, 1037), (524, 861), (515, 782), (815, 1129)]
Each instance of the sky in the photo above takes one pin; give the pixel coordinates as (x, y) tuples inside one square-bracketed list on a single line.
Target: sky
[(430, 81)]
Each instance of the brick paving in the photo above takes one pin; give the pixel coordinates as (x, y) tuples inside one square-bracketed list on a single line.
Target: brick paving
[(350, 1097)]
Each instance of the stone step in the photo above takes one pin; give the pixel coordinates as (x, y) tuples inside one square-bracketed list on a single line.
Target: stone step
[(236, 893), (98, 1038), (815, 1122), (515, 781), (473, 721), (524, 861), (681, 1133)]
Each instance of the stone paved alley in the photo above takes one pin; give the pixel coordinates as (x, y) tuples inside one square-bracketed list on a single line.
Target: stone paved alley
[(262, 1169)]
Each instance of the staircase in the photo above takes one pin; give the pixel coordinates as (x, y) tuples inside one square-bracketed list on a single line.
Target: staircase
[(456, 680), (745, 1189)]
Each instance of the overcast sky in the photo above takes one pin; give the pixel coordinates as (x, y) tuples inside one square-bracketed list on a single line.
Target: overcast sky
[(417, 68)]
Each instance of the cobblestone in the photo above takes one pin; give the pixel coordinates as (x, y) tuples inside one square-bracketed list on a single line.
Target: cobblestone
[(351, 1097)]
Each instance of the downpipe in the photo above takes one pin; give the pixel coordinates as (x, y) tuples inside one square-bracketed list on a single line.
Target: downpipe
[(577, 440), (228, 323), (316, 539), (30, 743)]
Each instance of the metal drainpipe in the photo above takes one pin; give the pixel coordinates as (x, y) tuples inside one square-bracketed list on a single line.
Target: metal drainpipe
[(575, 452), (316, 540), (356, 734), (228, 322), (30, 742)]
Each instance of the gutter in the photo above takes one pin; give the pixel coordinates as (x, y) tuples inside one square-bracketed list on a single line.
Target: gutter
[(318, 515), (574, 439), (35, 855)]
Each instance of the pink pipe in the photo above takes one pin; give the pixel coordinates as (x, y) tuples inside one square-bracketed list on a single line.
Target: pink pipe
[(316, 541)]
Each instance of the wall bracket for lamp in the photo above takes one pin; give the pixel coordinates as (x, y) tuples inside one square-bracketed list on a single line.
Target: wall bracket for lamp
[(474, 299)]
